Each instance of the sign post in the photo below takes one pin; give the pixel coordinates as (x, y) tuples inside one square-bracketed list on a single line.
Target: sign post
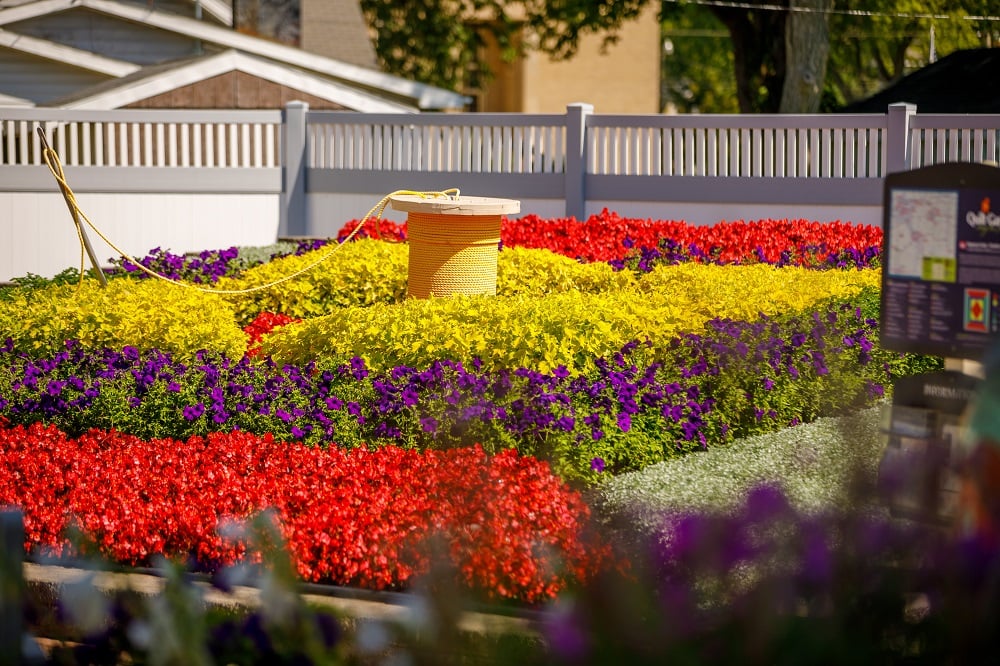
[(940, 296)]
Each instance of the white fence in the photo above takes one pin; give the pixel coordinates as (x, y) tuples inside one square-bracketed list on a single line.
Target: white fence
[(190, 180)]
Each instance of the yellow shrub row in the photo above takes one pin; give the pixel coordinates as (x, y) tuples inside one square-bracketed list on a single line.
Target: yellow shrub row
[(550, 311), (365, 272), (145, 313), (567, 328), (745, 292), (509, 331)]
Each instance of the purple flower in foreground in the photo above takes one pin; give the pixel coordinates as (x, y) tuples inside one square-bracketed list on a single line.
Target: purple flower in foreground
[(597, 464)]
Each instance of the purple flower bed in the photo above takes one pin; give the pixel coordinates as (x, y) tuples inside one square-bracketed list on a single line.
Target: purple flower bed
[(204, 267), (669, 251), (630, 410)]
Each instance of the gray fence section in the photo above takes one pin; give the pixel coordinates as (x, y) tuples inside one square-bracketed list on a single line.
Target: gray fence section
[(575, 158)]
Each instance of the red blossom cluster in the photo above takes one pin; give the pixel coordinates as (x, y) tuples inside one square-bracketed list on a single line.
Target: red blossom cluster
[(608, 236), (264, 323), (598, 238), (351, 517), (374, 228)]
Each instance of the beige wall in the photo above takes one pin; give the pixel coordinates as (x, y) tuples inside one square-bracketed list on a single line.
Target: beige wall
[(336, 29), (624, 80)]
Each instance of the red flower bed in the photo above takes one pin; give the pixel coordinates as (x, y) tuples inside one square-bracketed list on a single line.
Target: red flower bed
[(358, 517), (263, 324), (609, 236)]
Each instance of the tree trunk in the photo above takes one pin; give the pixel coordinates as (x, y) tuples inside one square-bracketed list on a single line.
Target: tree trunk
[(807, 49), (758, 53)]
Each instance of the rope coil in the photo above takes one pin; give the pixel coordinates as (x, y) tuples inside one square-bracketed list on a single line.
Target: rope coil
[(452, 254)]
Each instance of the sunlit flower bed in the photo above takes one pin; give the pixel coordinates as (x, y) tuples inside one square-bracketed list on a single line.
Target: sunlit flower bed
[(371, 438), (351, 517)]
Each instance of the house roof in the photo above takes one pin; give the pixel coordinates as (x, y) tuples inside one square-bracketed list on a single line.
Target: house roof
[(158, 79), (403, 91), (10, 100), (961, 82), (60, 52), (221, 10)]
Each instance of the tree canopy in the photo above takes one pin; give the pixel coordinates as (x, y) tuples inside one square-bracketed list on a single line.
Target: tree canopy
[(440, 42), (720, 56), (871, 43)]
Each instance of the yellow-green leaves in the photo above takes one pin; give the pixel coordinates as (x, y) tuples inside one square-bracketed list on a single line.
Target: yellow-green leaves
[(358, 273), (539, 272), (561, 328), (744, 292), (147, 314)]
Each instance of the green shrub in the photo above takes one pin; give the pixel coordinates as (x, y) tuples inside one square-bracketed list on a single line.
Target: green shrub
[(814, 463), (564, 328)]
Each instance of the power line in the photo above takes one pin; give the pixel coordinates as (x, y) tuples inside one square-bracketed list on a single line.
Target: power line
[(812, 10)]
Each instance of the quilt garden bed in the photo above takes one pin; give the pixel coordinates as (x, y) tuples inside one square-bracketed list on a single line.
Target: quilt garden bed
[(380, 431)]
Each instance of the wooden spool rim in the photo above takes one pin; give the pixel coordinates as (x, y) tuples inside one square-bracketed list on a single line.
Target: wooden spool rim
[(460, 205)]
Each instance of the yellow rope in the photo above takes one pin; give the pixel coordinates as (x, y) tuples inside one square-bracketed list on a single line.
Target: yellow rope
[(55, 166)]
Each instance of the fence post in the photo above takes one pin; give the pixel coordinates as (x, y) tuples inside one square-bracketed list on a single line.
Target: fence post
[(897, 141), (293, 220), (11, 585), (576, 159)]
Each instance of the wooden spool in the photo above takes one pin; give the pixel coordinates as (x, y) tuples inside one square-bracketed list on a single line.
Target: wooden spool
[(453, 243)]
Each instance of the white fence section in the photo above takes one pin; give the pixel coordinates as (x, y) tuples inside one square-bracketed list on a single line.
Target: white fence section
[(143, 138), (190, 180), (952, 138), (182, 180), (475, 143), (749, 146)]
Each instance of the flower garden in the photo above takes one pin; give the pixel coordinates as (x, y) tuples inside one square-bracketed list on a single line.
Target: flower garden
[(524, 438)]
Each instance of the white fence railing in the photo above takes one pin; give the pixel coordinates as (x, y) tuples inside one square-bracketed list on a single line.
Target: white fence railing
[(311, 171), (748, 146), (935, 139), (144, 138), (474, 143)]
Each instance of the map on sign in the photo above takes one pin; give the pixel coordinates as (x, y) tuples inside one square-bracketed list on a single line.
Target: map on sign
[(922, 239)]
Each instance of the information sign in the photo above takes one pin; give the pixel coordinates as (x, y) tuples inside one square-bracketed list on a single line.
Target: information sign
[(941, 260)]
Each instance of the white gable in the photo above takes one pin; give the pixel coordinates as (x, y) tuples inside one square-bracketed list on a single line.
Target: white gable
[(107, 36), (31, 77), (139, 88)]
